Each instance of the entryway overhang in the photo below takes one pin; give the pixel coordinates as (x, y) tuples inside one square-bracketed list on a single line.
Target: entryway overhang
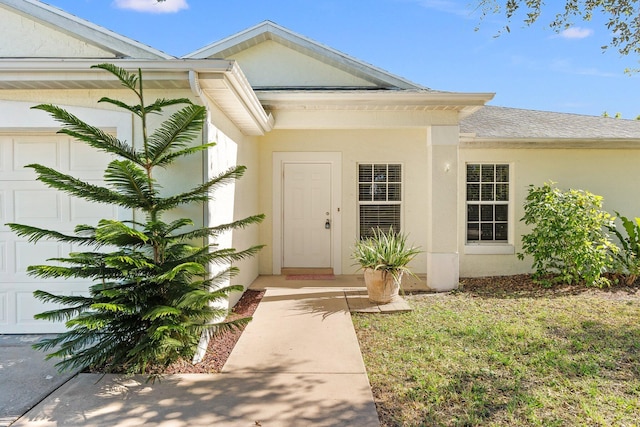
[(221, 81), (405, 108)]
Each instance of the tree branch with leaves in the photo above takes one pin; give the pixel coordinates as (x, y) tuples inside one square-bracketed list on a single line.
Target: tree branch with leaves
[(622, 17)]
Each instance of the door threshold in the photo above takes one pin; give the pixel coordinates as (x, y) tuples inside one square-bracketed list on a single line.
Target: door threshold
[(294, 271)]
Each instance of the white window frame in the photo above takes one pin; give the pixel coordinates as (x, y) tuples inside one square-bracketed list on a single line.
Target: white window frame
[(490, 247), (399, 203)]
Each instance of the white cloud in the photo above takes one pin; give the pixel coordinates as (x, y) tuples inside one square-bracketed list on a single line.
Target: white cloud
[(576, 33), (152, 6)]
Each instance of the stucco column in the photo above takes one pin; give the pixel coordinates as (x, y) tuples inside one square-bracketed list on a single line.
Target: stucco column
[(442, 212)]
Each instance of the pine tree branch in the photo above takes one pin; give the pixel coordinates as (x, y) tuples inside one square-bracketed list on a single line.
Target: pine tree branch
[(132, 182), (218, 229), (78, 188), (201, 192), (182, 127), (35, 234), (170, 157), (92, 135)]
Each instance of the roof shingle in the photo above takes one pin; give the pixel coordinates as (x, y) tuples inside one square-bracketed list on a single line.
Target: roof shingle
[(513, 123)]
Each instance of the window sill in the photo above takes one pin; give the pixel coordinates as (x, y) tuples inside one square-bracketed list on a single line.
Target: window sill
[(489, 249)]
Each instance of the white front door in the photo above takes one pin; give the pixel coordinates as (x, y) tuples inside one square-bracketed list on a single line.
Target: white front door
[(307, 215)]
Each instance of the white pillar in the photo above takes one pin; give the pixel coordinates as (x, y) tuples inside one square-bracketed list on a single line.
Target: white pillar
[(442, 191)]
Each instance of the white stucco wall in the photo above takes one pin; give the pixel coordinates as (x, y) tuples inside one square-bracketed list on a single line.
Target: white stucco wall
[(272, 64), (405, 146), (32, 39), (608, 173), (234, 201)]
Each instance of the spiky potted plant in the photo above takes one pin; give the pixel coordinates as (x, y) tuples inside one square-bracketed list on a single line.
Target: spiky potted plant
[(384, 257)]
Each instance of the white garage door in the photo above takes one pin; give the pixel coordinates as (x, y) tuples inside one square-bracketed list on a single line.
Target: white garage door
[(24, 200)]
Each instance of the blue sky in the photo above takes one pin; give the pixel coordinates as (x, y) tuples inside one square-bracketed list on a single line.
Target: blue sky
[(431, 42)]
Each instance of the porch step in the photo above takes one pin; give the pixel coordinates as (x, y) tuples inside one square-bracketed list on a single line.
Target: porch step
[(303, 271)]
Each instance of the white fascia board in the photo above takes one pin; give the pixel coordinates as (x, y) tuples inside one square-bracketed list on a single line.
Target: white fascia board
[(286, 99), (231, 41), (246, 94), (74, 64), (234, 83), (86, 30)]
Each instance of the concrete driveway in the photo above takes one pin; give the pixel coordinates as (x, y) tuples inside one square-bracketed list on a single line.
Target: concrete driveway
[(25, 377)]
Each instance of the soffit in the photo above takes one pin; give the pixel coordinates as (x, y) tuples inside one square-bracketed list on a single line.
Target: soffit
[(372, 100), (220, 81)]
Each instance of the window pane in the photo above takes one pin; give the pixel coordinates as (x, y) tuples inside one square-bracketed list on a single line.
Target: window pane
[(473, 231), (394, 192), (502, 212), (473, 192), (502, 173), (502, 192), (364, 192), (486, 231), (486, 213), (488, 173), (379, 182), (487, 202), (380, 192), (382, 216), (380, 173), (365, 173), (487, 192), (473, 173), (395, 173), (473, 213), (501, 231)]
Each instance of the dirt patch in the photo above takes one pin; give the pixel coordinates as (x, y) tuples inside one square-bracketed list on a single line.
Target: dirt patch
[(523, 286)]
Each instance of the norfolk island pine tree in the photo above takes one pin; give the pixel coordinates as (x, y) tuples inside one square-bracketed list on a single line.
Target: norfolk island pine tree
[(151, 297)]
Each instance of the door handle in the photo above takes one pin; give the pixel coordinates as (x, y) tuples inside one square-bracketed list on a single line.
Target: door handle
[(327, 224)]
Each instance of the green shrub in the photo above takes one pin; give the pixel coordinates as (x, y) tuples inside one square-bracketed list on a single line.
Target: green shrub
[(627, 259), (151, 297), (568, 241)]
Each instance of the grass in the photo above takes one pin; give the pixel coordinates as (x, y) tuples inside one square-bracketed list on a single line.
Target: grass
[(501, 356)]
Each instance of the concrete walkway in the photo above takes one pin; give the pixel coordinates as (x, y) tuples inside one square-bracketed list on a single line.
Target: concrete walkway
[(298, 363)]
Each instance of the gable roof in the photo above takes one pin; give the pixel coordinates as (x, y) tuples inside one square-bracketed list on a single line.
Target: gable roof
[(268, 30), (120, 46), (501, 123)]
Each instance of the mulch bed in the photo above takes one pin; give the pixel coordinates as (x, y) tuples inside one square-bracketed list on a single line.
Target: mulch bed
[(220, 347), (522, 285)]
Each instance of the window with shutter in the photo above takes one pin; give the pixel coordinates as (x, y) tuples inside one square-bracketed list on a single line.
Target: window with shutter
[(379, 197)]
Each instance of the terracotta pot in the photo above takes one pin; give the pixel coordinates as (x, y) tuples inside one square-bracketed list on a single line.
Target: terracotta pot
[(382, 287)]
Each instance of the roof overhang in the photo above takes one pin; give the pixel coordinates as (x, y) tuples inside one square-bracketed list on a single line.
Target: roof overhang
[(221, 81), (380, 100)]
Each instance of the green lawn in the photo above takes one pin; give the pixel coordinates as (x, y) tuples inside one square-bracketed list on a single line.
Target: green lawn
[(496, 355)]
